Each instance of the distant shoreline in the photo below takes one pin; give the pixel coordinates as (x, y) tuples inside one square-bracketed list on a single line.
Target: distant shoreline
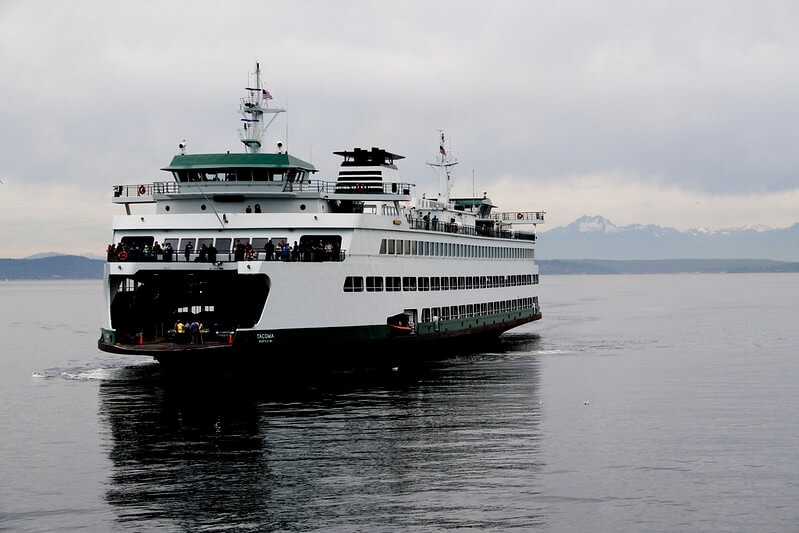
[(63, 267), (664, 266)]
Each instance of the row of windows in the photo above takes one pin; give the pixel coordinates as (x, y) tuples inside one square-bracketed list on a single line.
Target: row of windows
[(454, 312), (435, 283), (451, 249)]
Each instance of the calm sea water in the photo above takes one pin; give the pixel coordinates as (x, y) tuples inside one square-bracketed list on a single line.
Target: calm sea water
[(639, 403)]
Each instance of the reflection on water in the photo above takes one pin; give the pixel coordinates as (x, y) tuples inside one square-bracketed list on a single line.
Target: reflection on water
[(442, 443)]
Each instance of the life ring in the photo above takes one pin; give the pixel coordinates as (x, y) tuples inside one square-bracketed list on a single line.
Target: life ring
[(360, 187), (519, 216), (142, 190), (122, 255), (252, 254)]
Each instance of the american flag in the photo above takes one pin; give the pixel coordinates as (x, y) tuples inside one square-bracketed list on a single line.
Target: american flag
[(267, 96)]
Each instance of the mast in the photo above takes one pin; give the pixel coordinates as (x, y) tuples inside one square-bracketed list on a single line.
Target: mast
[(253, 107), (443, 161)]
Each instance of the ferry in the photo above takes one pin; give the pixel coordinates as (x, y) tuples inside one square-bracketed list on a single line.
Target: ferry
[(250, 255)]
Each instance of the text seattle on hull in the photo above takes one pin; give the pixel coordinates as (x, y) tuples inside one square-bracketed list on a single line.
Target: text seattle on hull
[(248, 253)]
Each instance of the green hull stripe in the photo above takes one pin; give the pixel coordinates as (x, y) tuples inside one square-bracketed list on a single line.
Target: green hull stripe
[(373, 332)]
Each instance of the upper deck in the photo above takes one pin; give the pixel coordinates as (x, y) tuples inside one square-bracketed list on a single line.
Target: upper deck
[(273, 174)]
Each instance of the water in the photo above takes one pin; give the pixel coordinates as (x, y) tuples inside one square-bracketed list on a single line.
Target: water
[(639, 403)]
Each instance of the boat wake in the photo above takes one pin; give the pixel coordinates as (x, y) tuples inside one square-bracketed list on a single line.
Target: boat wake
[(98, 373)]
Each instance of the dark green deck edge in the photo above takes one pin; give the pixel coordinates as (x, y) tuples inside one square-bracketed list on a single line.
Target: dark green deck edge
[(260, 341)]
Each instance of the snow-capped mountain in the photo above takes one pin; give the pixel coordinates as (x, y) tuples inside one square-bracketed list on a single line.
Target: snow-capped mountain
[(595, 237)]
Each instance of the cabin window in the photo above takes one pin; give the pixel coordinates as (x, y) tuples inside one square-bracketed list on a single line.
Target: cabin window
[(260, 174), (399, 247), (444, 283), (259, 242), (383, 246), (408, 283), (426, 314), (223, 245), (186, 242), (374, 284), (353, 284), (407, 247), (424, 284), (393, 284), (435, 283), (436, 312), (127, 285), (391, 246)]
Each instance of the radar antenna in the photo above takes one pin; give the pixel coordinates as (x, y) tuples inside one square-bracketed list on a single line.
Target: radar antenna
[(253, 107), (443, 161)]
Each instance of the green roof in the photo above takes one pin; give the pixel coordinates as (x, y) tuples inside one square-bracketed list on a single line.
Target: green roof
[(473, 202), (209, 161)]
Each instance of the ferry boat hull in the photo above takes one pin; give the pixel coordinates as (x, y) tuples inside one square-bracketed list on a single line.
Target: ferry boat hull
[(373, 344), (247, 259)]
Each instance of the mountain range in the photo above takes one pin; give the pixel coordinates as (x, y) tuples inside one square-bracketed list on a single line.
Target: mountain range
[(595, 237)]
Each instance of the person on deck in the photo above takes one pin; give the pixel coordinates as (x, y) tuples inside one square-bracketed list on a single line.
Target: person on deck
[(194, 328)]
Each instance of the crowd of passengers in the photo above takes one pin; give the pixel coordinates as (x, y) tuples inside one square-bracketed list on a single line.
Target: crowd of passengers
[(282, 251)]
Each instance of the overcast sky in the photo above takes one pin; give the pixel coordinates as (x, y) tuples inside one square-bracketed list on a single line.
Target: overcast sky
[(675, 113)]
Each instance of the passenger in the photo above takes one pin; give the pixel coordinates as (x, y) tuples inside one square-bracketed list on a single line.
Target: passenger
[(329, 251), (179, 329), (187, 251), (110, 252), (168, 252), (435, 222), (194, 328), (248, 210), (426, 219), (203, 256), (295, 252), (257, 208), (239, 251), (284, 251), (212, 253), (269, 248)]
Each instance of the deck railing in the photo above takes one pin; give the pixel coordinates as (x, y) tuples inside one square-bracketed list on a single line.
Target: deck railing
[(316, 186), (520, 217), (481, 230), (133, 255)]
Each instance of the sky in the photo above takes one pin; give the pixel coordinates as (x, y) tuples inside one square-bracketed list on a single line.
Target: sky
[(677, 113)]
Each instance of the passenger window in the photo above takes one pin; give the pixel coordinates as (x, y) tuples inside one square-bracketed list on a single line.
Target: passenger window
[(223, 245), (353, 284)]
